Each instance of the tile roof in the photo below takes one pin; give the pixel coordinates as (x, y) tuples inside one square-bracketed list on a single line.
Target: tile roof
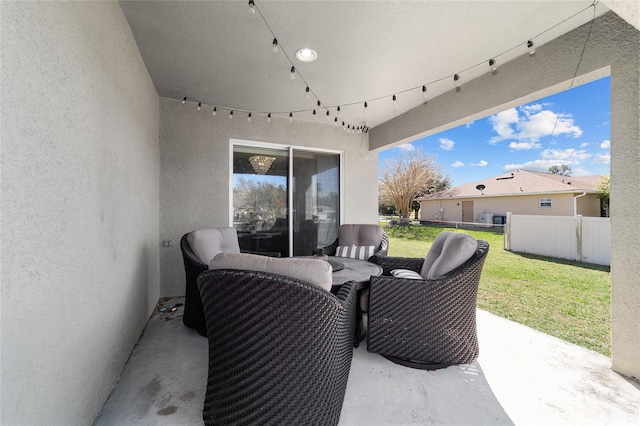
[(522, 182)]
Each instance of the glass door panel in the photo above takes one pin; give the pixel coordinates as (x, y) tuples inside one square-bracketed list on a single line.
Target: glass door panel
[(316, 200), (260, 208)]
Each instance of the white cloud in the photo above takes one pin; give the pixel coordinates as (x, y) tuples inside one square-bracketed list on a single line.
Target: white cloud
[(446, 144), (602, 159), (481, 163), (529, 123), (532, 108), (552, 157), (407, 147), (535, 165), (605, 144), (469, 124), (523, 146), (567, 156), (502, 122), (584, 144), (457, 164)]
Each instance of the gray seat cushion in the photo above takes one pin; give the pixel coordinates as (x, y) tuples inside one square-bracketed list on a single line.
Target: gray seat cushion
[(206, 243), (313, 271), (448, 252), (360, 235)]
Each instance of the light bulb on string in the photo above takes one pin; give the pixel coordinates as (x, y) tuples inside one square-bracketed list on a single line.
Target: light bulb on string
[(308, 92), (456, 82), (424, 92), (252, 7), (274, 45), (184, 100), (319, 103), (269, 118), (492, 66), (338, 110), (366, 107), (335, 121), (215, 110), (328, 117), (292, 76), (531, 48), (343, 126), (231, 115), (395, 101), (315, 117), (249, 117), (199, 106), (290, 117)]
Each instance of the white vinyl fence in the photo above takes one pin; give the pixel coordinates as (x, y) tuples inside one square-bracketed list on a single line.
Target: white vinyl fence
[(585, 239)]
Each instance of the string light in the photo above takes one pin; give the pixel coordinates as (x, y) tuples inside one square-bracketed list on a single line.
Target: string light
[(335, 121), (532, 49), (456, 77), (492, 65), (315, 117), (367, 106)]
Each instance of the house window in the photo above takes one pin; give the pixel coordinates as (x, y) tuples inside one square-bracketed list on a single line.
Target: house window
[(545, 203)]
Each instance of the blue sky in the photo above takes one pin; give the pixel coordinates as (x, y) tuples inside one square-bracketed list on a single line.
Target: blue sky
[(524, 138)]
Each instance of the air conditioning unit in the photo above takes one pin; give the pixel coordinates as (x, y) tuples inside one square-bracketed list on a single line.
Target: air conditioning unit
[(485, 218)]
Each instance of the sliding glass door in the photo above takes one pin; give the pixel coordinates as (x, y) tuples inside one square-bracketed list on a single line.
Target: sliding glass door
[(316, 200), (286, 201)]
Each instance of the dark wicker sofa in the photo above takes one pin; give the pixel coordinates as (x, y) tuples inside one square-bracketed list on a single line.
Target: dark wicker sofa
[(280, 349), (425, 323)]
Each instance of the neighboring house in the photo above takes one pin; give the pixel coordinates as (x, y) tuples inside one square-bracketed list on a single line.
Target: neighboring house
[(518, 192)]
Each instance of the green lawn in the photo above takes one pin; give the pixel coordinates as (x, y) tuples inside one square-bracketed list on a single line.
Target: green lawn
[(569, 300)]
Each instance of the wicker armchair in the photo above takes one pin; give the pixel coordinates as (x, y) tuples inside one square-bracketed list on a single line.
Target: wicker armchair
[(194, 266), (280, 349), (360, 235), (425, 323)]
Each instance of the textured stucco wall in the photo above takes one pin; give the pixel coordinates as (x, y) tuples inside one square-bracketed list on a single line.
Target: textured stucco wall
[(194, 172), (80, 195), (614, 47)]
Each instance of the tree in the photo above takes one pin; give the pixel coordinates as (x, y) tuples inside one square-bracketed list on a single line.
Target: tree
[(408, 176), (563, 170), (603, 186)]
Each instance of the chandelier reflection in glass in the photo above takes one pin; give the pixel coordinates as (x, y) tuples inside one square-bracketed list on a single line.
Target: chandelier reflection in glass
[(261, 163)]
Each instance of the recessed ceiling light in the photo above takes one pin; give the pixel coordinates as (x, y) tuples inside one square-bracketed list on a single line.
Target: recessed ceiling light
[(306, 55)]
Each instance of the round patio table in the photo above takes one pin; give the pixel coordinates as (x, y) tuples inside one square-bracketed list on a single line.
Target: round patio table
[(356, 270)]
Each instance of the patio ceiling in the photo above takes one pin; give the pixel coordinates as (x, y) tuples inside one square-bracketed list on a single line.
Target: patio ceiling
[(219, 54)]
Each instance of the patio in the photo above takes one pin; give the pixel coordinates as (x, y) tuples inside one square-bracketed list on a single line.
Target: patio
[(522, 377)]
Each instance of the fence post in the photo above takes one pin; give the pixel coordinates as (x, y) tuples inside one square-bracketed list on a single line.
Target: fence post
[(579, 237), (507, 232)]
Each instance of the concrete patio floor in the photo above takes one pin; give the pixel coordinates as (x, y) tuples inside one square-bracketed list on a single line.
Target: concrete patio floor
[(522, 377)]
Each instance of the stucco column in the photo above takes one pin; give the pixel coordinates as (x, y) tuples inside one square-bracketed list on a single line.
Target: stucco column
[(625, 213)]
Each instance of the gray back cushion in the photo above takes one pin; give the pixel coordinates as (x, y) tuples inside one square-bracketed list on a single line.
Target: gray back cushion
[(448, 251), (206, 243), (313, 271), (360, 235)]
